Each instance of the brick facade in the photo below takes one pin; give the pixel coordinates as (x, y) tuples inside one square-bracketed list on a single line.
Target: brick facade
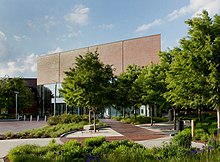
[(140, 51)]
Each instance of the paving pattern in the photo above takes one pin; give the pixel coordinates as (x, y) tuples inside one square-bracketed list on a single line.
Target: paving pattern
[(129, 131)]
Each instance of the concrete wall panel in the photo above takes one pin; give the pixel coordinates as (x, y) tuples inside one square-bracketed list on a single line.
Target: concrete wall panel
[(142, 51), (111, 54), (67, 60), (48, 69)]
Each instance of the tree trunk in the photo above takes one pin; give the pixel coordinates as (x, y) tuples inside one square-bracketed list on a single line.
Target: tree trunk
[(135, 117), (89, 116), (218, 118), (110, 112), (123, 112), (151, 116), (199, 113), (94, 120), (174, 118)]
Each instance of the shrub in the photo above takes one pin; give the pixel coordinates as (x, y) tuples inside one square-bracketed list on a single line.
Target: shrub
[(94, 142), (198, 133), (128, 154), (140, 119), (72, 149), (53, 120), (205, 137), (183, 139), (118, 118), (212, 131), (168, 151), (127, 120), (9, 134), (66, 119)]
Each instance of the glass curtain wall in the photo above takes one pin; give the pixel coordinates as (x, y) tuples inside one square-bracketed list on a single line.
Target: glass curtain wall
[(52, 102)]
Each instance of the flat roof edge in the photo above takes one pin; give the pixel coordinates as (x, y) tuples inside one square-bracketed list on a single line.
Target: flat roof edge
[(49, 54)]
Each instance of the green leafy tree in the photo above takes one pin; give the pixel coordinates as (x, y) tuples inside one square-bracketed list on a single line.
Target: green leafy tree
[(194, 75), (152, 82), (8, 86), (88, 84), (128, 93)]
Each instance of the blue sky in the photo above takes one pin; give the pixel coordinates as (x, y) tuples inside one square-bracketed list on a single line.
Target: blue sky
[(30, 28)]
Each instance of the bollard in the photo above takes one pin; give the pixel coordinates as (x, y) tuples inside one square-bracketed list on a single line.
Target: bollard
[(30, 117), (45, 118), (24, 117), (180, 125), (192, 128), (38, 118)]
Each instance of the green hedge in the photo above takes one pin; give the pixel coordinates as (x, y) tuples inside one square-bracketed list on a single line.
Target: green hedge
[(67, 118)]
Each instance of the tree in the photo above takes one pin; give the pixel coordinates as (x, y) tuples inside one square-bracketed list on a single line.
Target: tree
[(88, 84), (127, 93), (194, 75), (152, 82), (8, 86)]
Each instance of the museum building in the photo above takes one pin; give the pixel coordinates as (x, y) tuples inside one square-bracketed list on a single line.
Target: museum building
[(51, 67)]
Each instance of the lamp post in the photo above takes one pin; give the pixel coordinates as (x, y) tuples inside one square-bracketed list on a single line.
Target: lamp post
[(16, 106), (55, 95)]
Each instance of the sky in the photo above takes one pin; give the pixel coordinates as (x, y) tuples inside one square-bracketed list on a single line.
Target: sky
[(31, 28)]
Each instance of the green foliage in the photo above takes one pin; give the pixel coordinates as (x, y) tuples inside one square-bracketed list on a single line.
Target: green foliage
[(47, 131), (124, 151), (127, 93), (198, 133), (205, 129), (193, 67), (152, 81), (205, 137), (94, 142), (183, 139), (170, 151), (66, 118), (9, 134), (53, 120), (118, 118), (88, 83), (142, 119), (8, 86)]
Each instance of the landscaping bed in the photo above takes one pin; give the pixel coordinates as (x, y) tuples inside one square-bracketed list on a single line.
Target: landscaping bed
[(98, 149), (57, 125)]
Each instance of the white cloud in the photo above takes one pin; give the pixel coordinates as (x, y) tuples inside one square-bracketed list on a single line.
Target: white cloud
[(3, 45), (78, 15), (45, 23), (2, 36), (106, 26), (30, 62), (57, 50), (48, 22), (20, 67), (74, 34), (145, 27), (20, 38), (195, 7)]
